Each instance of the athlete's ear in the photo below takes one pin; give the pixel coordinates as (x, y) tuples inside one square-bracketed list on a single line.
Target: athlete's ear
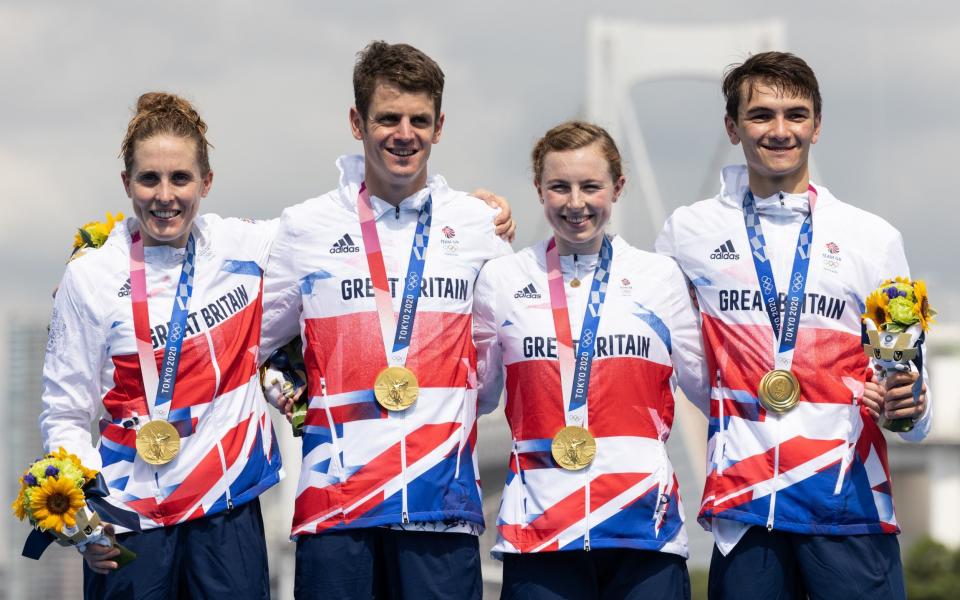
[(125, 178), (206, 183), (356, 123), (816, 129), (536, 184), (438, 129), (731, 126), (618, 187)]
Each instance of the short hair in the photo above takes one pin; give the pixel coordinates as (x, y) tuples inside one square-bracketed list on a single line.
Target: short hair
[(164, 113), (400, 64), (573, 135), (785, 72)]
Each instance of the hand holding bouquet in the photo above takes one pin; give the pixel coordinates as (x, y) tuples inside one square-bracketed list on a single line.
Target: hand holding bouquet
[(897, 316), (284, 381), (53, 496)]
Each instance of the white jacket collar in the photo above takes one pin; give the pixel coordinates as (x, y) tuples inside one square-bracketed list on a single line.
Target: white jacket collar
[(735, 181), (120, 238), (352, 172)]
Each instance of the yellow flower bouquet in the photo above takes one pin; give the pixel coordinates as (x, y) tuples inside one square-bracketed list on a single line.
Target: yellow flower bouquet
[(93, 234), (898, 304), (896, 318), (53, 497)]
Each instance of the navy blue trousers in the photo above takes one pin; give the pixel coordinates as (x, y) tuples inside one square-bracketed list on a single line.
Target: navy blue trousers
[(614, 574), (376, 562), (783, 566), (221, 556)]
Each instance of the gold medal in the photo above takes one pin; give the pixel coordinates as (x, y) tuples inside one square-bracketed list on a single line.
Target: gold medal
[(574, 282), (779, 390), (573, 448), (158, 443), (396, 388)]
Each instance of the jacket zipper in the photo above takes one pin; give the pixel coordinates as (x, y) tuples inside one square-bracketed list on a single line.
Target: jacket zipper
[(405, 515), (845, 461), (523, 484), (216, 392), (776, 474), (721, 433), (586, 516)]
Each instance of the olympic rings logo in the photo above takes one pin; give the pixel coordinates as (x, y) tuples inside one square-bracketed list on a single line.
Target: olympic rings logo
[(587, 338), (797, 281), (413, 282)]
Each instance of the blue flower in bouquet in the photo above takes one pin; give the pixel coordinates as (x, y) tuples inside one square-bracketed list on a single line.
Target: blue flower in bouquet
[(51, 471), (892, 292), (29, 479)]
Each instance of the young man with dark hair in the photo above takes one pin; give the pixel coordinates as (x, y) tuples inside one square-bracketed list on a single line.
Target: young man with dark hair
[(798, 488), (377, 277)]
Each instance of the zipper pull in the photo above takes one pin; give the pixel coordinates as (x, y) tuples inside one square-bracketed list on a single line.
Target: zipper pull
[(781, 200), (586, 544), (396, 212), (663, 505), (405, 517), (229, 504)]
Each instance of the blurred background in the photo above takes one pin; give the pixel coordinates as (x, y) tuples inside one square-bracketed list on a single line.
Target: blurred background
[(274, 85)]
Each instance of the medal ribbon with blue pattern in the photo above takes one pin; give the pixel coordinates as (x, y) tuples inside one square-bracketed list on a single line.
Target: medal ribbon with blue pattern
[(399, 329), (575, 363), (158, 386), (785, 324)]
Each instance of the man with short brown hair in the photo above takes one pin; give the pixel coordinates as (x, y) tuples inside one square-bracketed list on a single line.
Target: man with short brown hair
[(377, 276), (798, 489)]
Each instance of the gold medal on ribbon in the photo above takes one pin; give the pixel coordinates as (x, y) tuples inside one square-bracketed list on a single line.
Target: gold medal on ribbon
[(574, 282), (573, 448), (396, 388), (779, 391), (158, 443)]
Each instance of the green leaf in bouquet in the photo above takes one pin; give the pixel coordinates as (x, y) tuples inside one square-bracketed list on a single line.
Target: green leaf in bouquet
[(298, 417)]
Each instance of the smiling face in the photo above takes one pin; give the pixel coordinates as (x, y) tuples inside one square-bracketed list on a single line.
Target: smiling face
[(776, 131), (397, 134), (166, 185), (577, 192)]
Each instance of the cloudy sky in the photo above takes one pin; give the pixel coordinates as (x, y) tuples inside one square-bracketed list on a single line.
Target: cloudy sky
[(273, 84)]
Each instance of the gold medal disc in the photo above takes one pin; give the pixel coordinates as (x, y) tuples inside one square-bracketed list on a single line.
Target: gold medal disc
[(396, 388), (573, 448), (574, 282), (779, 391), (158, 443)]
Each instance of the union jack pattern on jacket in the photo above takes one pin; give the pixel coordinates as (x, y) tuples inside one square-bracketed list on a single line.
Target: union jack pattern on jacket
[(647, 341), (228, 453), (820, 468), (363, 466)]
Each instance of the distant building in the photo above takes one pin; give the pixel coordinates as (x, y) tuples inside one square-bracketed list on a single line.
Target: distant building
[(23, 338)]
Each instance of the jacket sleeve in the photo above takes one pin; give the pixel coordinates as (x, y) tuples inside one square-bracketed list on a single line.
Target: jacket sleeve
[(665, 243), (76, 347), (485, 337), (689, 363), (895, 265), (282, 304), (263, 234), (495, 245)]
